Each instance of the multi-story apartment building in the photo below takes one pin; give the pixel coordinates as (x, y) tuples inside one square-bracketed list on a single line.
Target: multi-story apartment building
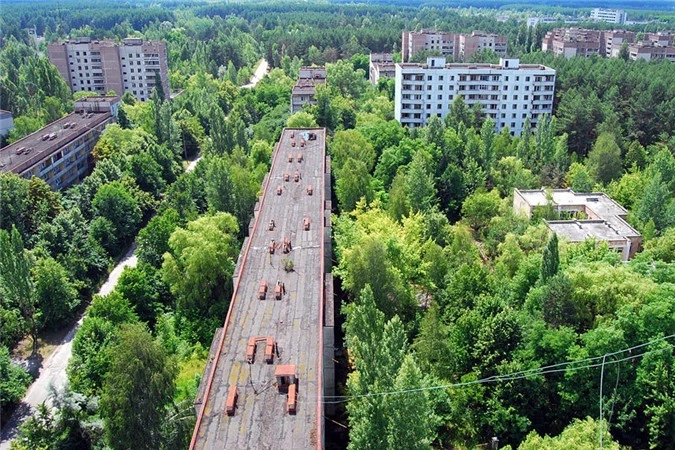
[(102, 66), (451, 45), (608, 15), (508, 92), (304, 91), (649, 52), (614, 40), (60, 152), (477, 41), (381, 66), (569, 42)]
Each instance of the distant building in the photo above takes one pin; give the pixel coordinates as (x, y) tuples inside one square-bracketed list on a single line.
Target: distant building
[(608, 15), (570, 42), (605, 219), (534, 21), (102, 66), (651, 52), (381, 66), (509, 92), (6, 122), (304, 91), (58, 153), (457, 46)]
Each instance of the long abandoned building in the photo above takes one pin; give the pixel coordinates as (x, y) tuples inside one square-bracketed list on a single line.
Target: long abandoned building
[(271, 364)]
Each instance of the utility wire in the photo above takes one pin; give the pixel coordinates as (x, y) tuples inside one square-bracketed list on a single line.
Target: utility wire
[(517, 375)]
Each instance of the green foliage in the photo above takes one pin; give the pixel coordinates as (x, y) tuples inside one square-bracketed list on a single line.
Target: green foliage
[(581, 435), (56, 295), (480, 207), (301, 119), (578, 178), (153, 239), (115, 204), (604, 160), (137, 388), (14, 380), (550, 260), (198, 269)]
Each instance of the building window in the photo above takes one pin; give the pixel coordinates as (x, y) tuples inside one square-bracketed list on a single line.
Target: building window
[(440, 97), (429, 77), (440, 77)]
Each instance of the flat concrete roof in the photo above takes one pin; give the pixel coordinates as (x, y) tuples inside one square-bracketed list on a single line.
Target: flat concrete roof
[(260, 420), (11, 161), (609, 223)]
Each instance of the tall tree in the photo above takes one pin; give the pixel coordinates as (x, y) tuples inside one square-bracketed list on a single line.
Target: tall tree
[(16, 282), (550, 259), (137, 388)]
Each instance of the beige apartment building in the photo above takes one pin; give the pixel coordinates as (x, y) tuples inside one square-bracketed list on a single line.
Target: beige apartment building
[(381, 66), (102, 66), (304, 91), (570, 42), (457, 46)]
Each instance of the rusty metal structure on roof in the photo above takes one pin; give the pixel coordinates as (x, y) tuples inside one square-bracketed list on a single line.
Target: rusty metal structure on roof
[(275, 401)]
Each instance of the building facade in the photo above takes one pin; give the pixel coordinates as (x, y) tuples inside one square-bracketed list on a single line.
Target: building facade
[(304, 91), (602, 218), (6, 122), (608, 15), (102, 66), (58, 153), (457, 46), (381, 66), (509, 92), (570, 42)]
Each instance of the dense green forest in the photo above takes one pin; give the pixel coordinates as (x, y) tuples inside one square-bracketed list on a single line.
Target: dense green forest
[(451, 303)]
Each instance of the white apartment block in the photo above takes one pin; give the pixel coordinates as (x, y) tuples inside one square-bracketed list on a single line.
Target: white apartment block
[(608, 15), (508, 92), (101, 66)]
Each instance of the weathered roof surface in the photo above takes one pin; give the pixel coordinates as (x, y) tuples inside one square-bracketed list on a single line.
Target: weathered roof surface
[(607, 216), (260, 420), (11, 161)]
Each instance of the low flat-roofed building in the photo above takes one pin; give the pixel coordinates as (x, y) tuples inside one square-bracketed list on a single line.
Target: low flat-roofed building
[(381, 66), (60, 152), (304, 91), (101, 103), (606, 219), (6, 122)]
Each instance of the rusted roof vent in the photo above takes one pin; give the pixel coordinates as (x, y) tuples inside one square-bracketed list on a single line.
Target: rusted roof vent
[(250, 350), (279, 290), (279, 190), (291, 401), (285, 376), (305, 224), (296, 176), (312, 136), (262, 290), (290, 157), (286, 246), (310, 189), (287, 176), (232, 397), (271, 225), (272, 246), (269, 350), (299, 157)]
